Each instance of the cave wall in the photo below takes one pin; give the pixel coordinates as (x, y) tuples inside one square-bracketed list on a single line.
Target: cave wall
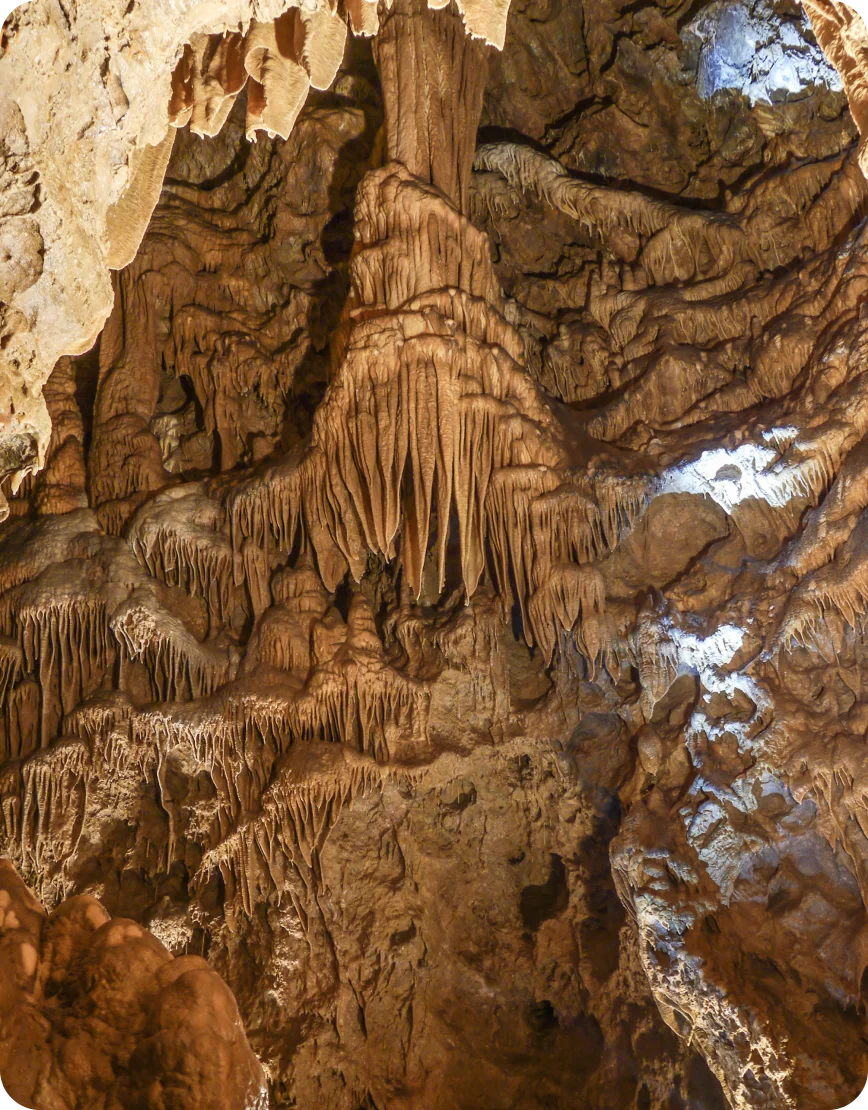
[(441, 612)]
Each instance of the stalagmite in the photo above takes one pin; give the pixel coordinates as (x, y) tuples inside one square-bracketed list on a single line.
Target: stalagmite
[(153, 1020), (284, 635), (60, 487)]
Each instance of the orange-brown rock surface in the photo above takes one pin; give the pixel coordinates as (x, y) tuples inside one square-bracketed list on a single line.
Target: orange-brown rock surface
[(95, 1011), (438, 619)]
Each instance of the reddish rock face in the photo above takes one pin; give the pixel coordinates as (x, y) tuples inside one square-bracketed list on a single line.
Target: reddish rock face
[(432, 652)]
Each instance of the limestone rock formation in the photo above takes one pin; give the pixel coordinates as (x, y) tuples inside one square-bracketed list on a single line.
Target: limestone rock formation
[(95, 1008), (102, 89), (436, 611)]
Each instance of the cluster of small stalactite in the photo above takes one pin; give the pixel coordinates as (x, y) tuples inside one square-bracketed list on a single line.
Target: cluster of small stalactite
[(432, 414), (713, 315), (352, 697), (284, 840), (180, 542)]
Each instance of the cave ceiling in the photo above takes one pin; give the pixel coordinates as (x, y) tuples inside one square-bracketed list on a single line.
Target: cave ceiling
[(434, 555)]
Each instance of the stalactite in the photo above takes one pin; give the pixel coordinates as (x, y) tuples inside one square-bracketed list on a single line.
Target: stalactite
[(254, 362), (255, 562), (22, 718), (60, 486), (656, 658), (54, 785), (14, 741), (10, 801), (360, 702), (238, 749), (279, 61), (441, 410), (11, 665), (178, 540), (570, 592), (179, 666), (363, 706), (67, 645)]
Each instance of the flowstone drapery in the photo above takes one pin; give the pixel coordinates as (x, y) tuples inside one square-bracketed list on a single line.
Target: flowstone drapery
[(441, 610)]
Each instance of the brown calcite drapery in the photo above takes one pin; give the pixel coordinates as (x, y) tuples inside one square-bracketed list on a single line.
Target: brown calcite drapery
[(432, 636)]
